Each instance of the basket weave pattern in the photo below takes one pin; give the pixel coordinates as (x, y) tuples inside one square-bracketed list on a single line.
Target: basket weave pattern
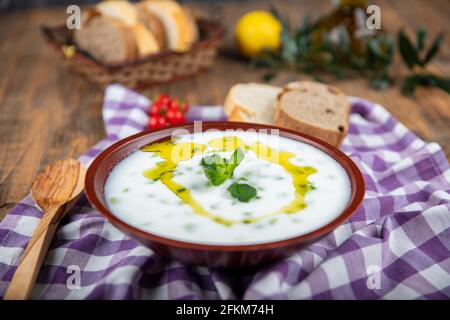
[(160, 68)]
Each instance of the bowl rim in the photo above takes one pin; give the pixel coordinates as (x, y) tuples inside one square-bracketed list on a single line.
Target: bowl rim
[(356, 178)]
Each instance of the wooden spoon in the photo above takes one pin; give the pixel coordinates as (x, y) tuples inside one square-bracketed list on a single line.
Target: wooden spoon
[(55, 191)]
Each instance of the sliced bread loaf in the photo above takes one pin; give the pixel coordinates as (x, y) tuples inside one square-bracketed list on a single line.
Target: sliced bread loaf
[(107, 39), (153, 24), (179, 25), (251, 102), (315, 109), (119, 9), (146, 41)]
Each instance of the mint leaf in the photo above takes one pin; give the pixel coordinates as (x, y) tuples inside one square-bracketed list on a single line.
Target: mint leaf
[(242, 191), (235, 159), (218, 169), (215, 169)]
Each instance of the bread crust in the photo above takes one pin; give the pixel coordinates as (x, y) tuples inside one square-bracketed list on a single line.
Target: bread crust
[(190, 16), (153, 23), (129, 41), (284, 119), (126, 35), (237, 115), (332, 137), (138, 31), (180, 19), (123, 10), (145, 40), (230, 104)]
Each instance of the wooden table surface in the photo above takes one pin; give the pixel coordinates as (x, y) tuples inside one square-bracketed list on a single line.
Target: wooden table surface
[(48, 114)]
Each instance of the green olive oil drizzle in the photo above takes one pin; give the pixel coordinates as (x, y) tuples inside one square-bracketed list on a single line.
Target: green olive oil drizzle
[(173, 154)]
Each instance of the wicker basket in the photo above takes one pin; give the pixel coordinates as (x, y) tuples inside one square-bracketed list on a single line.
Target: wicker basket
[(160, 68)]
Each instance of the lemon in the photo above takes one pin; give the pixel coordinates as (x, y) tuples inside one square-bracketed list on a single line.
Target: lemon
[(256, 31)]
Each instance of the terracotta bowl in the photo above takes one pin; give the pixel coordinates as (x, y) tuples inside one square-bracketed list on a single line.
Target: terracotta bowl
[(206, 254)]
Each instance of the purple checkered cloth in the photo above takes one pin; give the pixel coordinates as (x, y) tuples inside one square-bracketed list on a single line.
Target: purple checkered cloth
[(396, 246)]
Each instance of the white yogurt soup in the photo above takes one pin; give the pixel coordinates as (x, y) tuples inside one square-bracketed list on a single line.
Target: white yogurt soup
[(228, 187)]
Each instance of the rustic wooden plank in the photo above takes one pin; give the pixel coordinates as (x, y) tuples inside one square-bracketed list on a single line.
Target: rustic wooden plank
[(47, 114), (50, 114), (432, 104)]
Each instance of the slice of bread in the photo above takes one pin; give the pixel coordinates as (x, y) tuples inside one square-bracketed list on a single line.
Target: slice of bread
[(154, 25), (179, 26), (107, 39), (146, 41), (315, 109), (191, 23), (119, 9), (251, 102)]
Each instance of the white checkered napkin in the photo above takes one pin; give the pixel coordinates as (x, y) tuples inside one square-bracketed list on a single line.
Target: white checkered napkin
[(396, 246)]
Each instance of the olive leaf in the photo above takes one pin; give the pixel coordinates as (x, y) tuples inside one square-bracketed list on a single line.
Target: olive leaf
[(381, 82), (380, 50), (412, 54), (308, 49), (434, 49), (425, 79), (288, 45), (420, 38), (407, 50), (302, 36)]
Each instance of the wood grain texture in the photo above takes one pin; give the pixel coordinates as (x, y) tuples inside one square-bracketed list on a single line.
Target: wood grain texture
[(49, 114), (55, 191)]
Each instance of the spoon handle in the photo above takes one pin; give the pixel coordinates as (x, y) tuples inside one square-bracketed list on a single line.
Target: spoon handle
[(32, 258)]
